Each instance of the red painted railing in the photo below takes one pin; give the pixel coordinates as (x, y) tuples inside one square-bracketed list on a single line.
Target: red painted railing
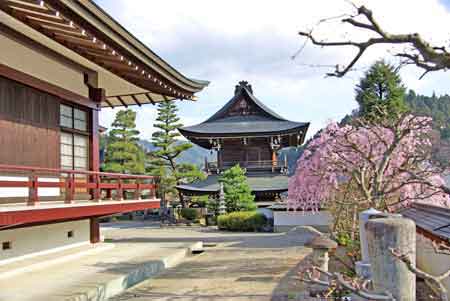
[(71, 180)]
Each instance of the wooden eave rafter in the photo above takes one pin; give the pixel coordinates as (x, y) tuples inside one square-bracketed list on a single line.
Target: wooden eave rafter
[(42, 16)]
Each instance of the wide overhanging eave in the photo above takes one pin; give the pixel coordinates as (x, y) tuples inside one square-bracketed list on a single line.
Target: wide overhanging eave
[(89, 33)]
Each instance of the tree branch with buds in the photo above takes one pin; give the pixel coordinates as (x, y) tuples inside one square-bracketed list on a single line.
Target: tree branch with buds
[(423, 54)]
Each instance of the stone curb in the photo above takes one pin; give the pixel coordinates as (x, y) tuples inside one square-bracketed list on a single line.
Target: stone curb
[(145, 271)]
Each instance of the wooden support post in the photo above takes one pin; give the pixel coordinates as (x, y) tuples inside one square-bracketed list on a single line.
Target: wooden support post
[(33, 197), (70, 189), (94, 230), (274, 160), (119, 190), (94, 153)]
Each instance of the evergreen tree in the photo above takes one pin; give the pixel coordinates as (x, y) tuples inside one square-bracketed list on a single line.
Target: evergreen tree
[(123, 154), (238, 195), (380, 90), (163, 160)]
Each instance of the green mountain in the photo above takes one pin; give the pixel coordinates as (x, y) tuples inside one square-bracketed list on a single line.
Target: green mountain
[(195, 155)]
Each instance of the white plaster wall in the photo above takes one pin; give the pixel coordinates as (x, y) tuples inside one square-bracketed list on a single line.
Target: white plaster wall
[(23, 192), (36, 240), (285, 219), (429, 261)]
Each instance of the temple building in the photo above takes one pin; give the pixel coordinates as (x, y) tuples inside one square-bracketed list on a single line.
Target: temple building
[(61, 62), (247, 133)]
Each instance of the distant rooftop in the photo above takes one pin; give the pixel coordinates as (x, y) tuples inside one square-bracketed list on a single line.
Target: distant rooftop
[(244, 115), (432, 219)]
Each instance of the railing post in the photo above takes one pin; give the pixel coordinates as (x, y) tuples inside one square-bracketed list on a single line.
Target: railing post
[(137, 192), (33, 197), (108, 194), (119, 191), (70, 189), (96, 191)]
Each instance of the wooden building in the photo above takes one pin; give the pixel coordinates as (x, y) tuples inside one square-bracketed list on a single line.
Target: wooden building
[(247, 133), (61, 62)]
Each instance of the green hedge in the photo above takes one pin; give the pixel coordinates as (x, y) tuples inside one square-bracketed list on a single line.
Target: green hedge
[(189, 214), (242, 221)]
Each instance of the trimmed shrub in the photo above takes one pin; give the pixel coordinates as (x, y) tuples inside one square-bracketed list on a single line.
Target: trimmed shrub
[(189, 214), (241, 221)]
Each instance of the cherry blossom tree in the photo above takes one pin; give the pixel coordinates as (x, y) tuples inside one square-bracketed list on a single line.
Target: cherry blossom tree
[(389, 163)]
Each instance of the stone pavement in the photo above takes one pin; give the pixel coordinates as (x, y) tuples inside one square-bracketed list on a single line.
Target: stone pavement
[(235, 266), (96, 275)]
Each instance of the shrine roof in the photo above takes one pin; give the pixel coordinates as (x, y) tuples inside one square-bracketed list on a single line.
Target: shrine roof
[(244, 115)]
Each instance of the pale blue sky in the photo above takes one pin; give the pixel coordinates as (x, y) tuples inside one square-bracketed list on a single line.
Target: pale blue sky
[(228, 41)]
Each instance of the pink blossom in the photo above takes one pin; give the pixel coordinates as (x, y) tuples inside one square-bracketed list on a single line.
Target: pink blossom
[(392, 160)]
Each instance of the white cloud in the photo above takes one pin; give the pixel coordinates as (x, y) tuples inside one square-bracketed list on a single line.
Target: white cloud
[(229, 41)]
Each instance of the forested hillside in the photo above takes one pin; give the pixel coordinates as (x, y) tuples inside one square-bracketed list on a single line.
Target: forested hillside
[(437, 107)]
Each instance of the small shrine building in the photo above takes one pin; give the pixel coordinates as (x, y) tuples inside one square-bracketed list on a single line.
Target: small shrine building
[(246, 132)]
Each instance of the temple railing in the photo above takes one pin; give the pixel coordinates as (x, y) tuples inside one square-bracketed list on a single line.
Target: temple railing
[(274, 166), (69, 182)]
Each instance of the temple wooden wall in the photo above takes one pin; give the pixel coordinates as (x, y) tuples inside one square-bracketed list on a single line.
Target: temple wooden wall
[(257, 149), (29, 126)]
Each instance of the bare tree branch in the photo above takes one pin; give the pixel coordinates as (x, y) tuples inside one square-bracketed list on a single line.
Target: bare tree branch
[(435, 281), (337, 281), (430, 58)]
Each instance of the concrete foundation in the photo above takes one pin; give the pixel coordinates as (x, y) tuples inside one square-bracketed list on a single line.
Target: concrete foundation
[(32, 241)]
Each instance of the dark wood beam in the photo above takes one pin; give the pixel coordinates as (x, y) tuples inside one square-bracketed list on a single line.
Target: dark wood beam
[(150, 98), (108, 102), (122, 102), (136, 100)]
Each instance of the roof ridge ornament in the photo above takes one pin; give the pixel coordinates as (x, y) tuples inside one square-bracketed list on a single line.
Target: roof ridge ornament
[(243, 84)]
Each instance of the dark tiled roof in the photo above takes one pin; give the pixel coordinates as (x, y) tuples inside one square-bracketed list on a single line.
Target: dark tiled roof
[(433, 219), (261, 182), (250, 124), (268, 122)]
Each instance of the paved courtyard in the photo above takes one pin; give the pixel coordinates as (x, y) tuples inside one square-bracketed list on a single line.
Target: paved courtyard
[(234, 266)]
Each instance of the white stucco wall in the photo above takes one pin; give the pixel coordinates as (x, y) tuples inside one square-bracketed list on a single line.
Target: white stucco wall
[(429, 261), (284, 220), (23, 192), (36, 240)]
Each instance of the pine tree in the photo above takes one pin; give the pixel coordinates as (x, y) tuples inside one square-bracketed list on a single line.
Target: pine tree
[(123, 154), (238, 195), (380, 90), (163, 160)]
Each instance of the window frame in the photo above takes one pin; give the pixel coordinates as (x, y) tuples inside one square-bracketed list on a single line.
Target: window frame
[(73, 132)]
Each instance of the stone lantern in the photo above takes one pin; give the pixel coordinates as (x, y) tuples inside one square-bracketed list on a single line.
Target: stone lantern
[(321, 246)]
